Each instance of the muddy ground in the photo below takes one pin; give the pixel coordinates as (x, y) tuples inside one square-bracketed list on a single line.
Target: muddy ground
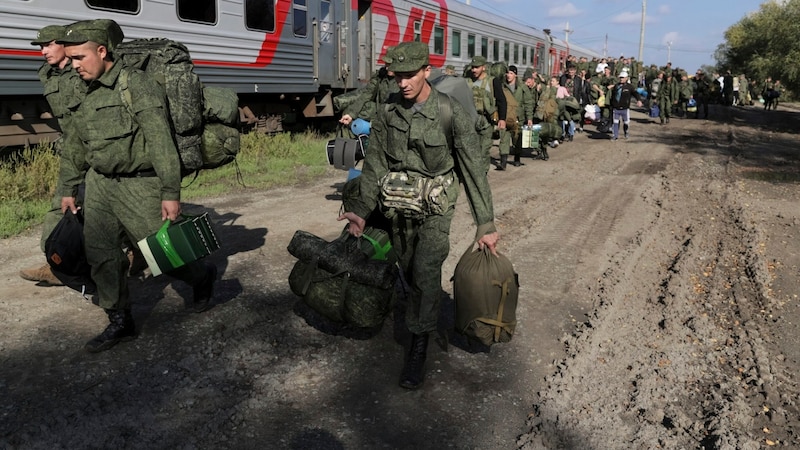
[(658, 309)]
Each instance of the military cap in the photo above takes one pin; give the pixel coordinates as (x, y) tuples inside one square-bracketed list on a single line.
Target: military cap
[(450, 67), (512, 69), (478, 61), (49, 34), (105, 32), (409, 57)]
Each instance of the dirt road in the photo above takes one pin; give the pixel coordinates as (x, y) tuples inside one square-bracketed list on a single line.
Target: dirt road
[(658, 309)]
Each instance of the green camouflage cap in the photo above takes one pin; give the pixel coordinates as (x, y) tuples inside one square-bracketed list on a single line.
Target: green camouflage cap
[(49, 34), (409, 57), (450, 67), (105, 32), (478, 61)]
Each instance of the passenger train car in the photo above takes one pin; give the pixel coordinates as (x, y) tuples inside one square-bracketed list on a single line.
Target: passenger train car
[(283, 57)]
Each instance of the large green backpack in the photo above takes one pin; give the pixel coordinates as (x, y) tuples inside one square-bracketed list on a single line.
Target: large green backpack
[(191, 106)]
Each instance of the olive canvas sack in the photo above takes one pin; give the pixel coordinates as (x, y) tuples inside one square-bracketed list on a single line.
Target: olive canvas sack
[(348, 280), (485, 290)]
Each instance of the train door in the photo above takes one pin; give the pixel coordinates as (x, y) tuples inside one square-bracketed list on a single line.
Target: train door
[(326, 35)]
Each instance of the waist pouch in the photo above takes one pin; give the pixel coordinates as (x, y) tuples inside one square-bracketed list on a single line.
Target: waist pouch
[(415, 197)]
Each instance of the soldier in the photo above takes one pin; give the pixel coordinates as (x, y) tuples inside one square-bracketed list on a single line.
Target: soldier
[(485, 101), (407, 138), (380, 85), (744, 90), (63, 90), (702, 89), (523, 113), (666, 96), (450, 70), (127, 157)]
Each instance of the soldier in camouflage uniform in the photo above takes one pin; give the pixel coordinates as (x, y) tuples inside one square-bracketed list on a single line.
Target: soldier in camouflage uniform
[(380, 86), (408, 139), (480, 82), (667, 97), (63, 90), (127, 157)]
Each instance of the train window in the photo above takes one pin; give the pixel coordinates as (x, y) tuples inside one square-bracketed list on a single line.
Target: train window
[(485, 47), (505, 52), (455, 43), (260, 15), (128, 6), (438, 40), (204, 11), (524, 55), (325, 22), (516, 53), (417, 30), (299, 18), (470, 45), (496, 50)]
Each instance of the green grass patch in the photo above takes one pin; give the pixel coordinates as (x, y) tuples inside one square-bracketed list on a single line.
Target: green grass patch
[(28, 178)]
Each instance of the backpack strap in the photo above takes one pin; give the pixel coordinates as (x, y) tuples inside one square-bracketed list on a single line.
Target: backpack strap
[(446, 118), (124, 92)]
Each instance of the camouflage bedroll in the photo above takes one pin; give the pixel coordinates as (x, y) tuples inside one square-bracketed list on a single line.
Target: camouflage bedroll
[(349, 279)]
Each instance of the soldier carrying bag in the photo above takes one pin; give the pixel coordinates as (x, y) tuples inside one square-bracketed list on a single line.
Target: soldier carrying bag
[(485, 290)]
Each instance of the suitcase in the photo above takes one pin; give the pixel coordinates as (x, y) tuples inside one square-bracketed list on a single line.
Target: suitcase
[(179, 243)]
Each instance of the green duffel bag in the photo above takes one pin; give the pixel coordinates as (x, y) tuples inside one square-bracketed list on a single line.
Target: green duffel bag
[(485, 290)]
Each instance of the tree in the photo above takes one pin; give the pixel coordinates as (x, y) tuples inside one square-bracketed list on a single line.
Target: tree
[(764, 44)]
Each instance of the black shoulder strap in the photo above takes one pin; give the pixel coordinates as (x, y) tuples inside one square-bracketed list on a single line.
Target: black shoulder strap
[(446, 118)]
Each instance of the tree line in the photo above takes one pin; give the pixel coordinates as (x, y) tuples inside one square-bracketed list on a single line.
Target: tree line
[(765, 44)]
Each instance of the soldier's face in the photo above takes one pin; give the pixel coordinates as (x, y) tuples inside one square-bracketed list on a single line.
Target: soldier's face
[(88, 59), (413, 85), (54, 54), (477, 71), (511, 77)]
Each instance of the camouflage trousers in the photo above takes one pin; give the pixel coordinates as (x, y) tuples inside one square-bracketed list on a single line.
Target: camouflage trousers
[(114, 208), (422, 247), (510, 139)]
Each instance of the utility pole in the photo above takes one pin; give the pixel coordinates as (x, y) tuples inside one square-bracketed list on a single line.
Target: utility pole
[(605, 47), (641, 34), (669, 51), (567, 31)]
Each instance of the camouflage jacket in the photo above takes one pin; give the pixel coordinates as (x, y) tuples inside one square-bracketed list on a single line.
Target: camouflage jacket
[(405, 140), (111, 137), (64, 90)]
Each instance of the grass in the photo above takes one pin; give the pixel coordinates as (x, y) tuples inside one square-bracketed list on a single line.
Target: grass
[(28, 178)]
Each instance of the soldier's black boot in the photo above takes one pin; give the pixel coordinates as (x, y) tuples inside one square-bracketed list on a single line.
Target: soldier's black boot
[(503, 162), (414, 368), (120, 329), (545, 156), (517, 160)]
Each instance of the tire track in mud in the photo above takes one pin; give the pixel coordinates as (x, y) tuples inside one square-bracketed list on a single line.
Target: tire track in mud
[(672, 357)]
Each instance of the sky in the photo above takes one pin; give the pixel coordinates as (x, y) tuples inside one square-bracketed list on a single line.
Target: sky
[(687, 32)]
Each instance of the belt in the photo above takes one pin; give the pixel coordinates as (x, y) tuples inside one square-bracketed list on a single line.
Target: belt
[(138, 174)]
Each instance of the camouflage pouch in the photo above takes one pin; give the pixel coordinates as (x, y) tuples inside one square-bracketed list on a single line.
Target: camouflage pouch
[(415, 197)]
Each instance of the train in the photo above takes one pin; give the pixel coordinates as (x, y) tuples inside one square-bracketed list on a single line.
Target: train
[(285, 59)]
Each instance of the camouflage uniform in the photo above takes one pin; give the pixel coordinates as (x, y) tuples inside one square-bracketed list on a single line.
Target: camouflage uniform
[(403, 139), (63, 90), (666, 97), (130, 164)]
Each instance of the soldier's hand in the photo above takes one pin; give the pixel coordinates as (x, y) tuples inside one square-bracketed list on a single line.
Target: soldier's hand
[(68, 203), (170, 209), (357, 224), (346, 119), (501, 124), (489, 241)]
